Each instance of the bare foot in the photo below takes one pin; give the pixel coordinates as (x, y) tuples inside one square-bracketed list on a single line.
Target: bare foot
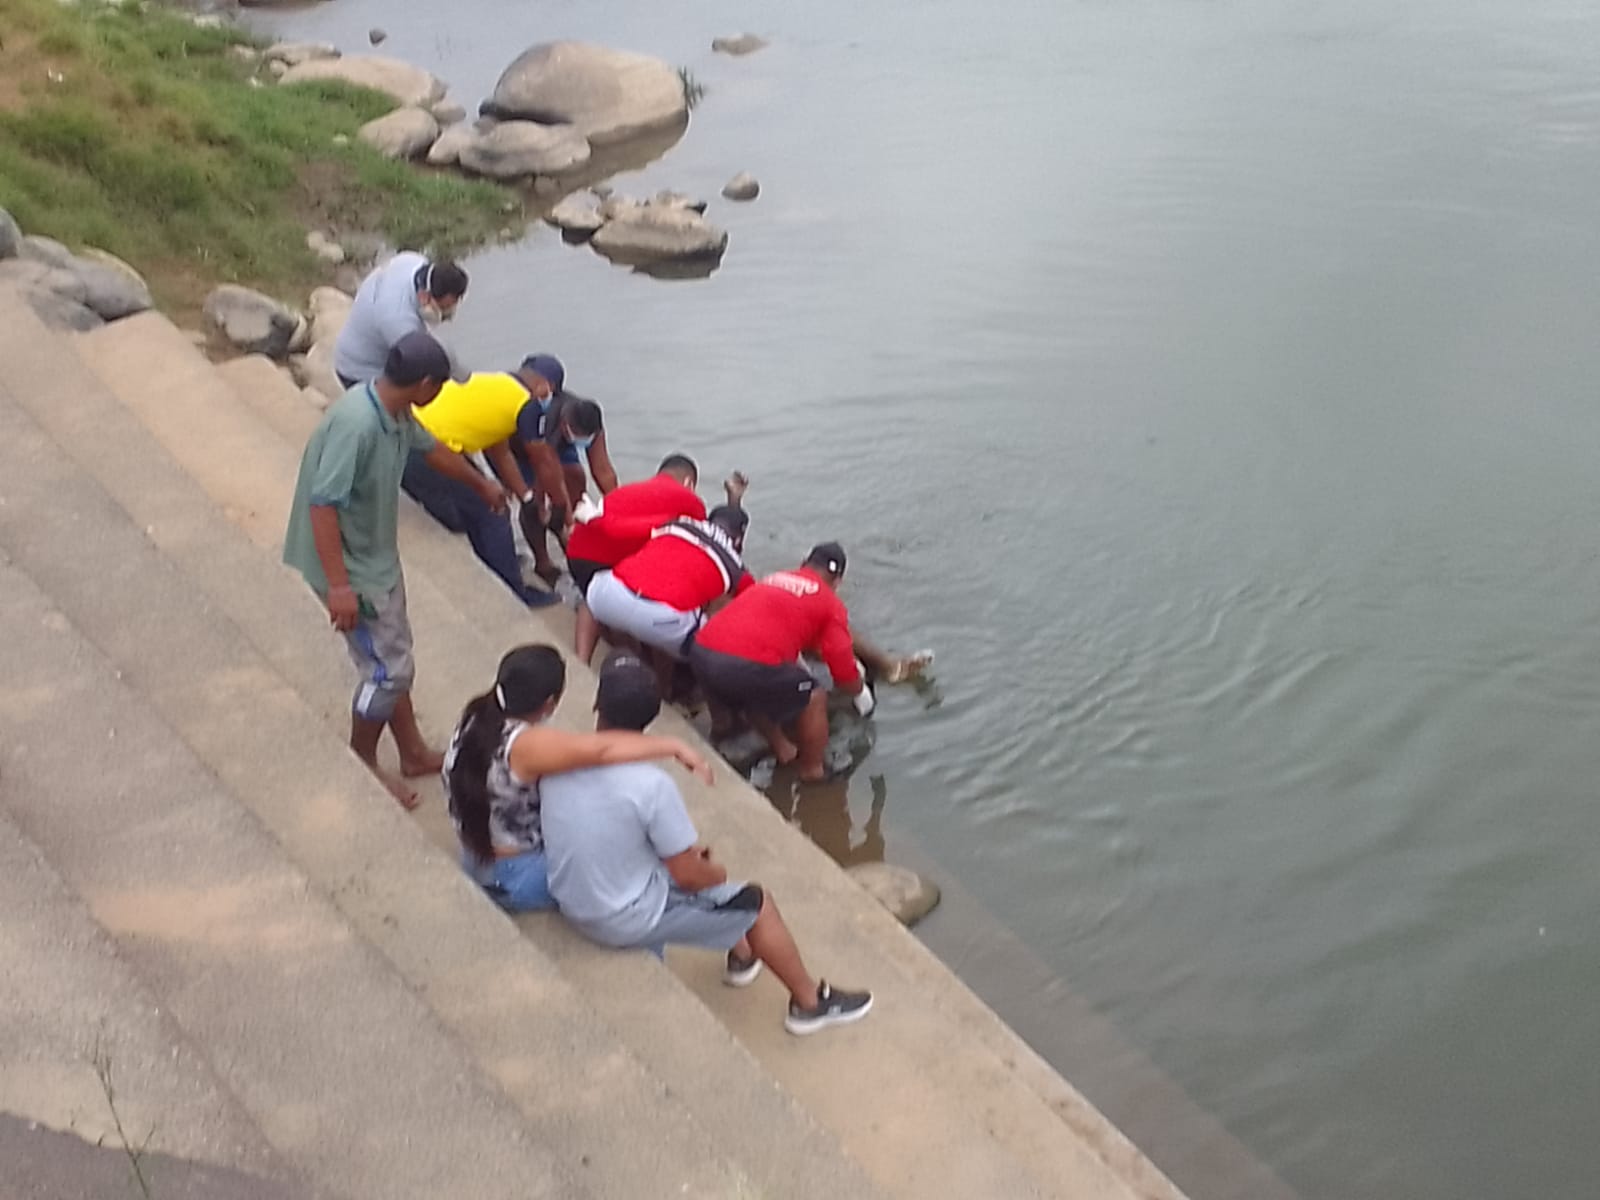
[(415, 766), (399, 789)]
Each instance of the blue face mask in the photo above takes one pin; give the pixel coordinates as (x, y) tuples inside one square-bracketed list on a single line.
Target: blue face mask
[(581, 443)]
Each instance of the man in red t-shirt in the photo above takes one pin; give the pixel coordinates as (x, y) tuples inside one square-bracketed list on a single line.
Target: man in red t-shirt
[(660, 594), (747, 656)]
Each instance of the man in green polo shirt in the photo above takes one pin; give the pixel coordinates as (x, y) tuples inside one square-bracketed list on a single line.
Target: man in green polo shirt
[(342, 538)]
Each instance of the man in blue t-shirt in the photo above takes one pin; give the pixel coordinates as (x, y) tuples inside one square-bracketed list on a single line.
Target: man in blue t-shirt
[(626, 868)]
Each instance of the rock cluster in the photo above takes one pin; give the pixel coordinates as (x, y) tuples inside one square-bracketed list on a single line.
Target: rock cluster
[(67, 290), (669, 228)]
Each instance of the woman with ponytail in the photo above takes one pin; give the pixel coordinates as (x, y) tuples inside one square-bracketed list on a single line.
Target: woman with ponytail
[(502, 748)]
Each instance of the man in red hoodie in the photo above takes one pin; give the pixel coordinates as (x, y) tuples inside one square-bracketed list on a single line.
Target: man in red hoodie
[(747, 656)]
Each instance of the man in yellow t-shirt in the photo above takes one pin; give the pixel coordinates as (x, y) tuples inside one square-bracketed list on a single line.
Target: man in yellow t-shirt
[(488, 414)]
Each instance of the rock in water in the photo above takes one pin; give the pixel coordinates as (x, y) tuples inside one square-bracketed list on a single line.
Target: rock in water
[(649, 233), (576, 217), (744, 43), (517, 149), (906, 894), (10, 235), (446, 151), (404, 133), (742, 187), (406, 84), (377, 36), (606, 95), (250, 322), (670, 199)]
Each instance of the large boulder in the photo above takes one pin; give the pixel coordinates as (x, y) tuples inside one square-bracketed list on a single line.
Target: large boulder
[(404, 133), (406, 84), (47, 251), (650, 233), (606, 95), (904, 893), (113, 291), (10, 235), (250, 322), (517, 149)]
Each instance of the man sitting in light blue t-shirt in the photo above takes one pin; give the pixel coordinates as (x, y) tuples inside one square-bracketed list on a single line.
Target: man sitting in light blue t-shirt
[(626, 867)]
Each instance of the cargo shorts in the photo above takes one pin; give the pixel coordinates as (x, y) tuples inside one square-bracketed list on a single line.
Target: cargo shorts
[(380, 646)]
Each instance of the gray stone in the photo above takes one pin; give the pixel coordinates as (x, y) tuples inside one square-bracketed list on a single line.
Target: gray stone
[(113, 292), (330, 309), (650, 233), (742, 186), (10, 235), (250, 322), (741, 44), (906, 894), (46, 250), (574, 215), (668, 199), (32, 277), (449, 113), (277, 68), (377, 36), (615, 204), (447, 147), (58, 312), (404, 133), (516, 149), (405, 84), (606, 95), (320, 376), (292, 54)]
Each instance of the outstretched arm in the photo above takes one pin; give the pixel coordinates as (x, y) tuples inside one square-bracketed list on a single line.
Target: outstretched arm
[(605, 475), (545, 751)]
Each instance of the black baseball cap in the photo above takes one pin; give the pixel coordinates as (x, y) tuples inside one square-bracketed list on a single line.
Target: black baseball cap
[(827, 555), (416, 357), (629, 697)]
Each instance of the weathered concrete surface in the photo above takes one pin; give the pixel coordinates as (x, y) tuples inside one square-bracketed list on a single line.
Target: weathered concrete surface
[(253, 964), (624, 1127), (66, 998), (914, 1130)]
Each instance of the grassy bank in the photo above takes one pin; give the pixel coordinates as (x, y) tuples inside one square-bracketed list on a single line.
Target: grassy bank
[(142, 134)]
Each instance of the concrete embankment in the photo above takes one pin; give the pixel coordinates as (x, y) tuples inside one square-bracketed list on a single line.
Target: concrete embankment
[(144, 498)]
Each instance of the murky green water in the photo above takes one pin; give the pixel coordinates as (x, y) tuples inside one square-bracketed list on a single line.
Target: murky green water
[(1213, 385)]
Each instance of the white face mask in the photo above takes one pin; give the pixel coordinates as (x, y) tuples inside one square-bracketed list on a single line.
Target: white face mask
[(431, 316)]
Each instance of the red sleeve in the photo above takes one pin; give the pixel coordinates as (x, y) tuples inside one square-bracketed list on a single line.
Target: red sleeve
[(743, 584), (693, 506), (837, 648), (627, 529)]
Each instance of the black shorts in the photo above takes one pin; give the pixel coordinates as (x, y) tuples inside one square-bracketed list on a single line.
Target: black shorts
[(778, 693), (583, 570)]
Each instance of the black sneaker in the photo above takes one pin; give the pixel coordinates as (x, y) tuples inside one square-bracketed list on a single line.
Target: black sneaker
[(833, 1008), (740, 972)]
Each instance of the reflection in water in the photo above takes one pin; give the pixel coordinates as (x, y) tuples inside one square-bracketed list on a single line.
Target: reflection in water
[(822, 810)]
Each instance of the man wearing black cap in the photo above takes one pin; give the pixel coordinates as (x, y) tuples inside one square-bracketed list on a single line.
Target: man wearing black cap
[(342, 539), (660, 594), (627, 868), (405, 295), (498, 414), (746, 656)]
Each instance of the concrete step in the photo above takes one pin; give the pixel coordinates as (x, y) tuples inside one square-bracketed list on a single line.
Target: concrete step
[(295, 1014), (84, 1046), (870, 1085), (412, 902), (748, 832), (711, 1075)]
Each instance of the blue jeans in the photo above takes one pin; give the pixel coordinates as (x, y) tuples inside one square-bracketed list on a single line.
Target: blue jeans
[(461, 510), (517, 884)]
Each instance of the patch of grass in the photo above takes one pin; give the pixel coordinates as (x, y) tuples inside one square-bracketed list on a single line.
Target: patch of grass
[(693, 90), (159, 144)]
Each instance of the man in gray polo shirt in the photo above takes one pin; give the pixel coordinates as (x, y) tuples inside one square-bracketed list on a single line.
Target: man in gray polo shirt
[(627, 869), (405, 295), (342, 539)]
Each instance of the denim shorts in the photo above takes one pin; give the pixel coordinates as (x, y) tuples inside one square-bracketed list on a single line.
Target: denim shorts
[(713, 919), (520, 883)]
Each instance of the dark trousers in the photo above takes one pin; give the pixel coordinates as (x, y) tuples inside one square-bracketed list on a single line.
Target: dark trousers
[(460, 509)]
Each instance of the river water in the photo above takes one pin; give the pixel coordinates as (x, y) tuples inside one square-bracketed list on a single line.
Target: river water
[(1212, 385)]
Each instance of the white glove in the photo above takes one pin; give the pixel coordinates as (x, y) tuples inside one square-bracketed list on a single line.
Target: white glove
[(865, 701), (586, 510)]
